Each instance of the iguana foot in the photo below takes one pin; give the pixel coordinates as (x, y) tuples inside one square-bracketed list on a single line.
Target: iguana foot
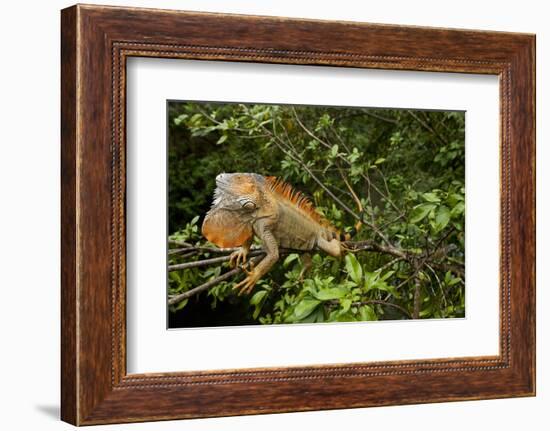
[(247, 284), (238, 257), (248, 267)]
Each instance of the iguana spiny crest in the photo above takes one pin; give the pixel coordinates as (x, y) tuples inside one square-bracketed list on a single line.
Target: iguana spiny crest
[(247, 205)]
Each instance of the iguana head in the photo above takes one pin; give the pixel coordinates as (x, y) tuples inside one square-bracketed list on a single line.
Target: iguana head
[(237, 198)]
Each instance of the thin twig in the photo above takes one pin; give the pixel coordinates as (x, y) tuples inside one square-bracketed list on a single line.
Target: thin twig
[(457, 269), (175, 299), (184, 255), (352, 192), (179, 243), (339, 138), (219, 123), (355, 246), (207, 262), (213, 249), (416, 299), (339, 156), (427, 127), (386, 197), (309, 132), (368, 114), (438, 283), (178, 250), (389, 264), (334, 303)]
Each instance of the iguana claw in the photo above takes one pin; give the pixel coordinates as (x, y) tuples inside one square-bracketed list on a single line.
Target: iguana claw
[(238, 257), (248, 267), (247, 284)]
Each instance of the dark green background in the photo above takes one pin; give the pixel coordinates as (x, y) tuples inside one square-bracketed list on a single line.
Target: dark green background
[(415, 159)]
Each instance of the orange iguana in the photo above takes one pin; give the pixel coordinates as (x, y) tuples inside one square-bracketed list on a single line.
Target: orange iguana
[(250, 204)]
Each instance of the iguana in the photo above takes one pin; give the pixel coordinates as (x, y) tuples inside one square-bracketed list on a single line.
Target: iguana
[(247, 205)]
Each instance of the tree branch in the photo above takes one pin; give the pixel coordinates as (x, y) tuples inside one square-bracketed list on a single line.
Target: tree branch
[(175, 299), (207, 262), (356, 246), (217, 250), (179, 243), (374, 301), (257, 254)]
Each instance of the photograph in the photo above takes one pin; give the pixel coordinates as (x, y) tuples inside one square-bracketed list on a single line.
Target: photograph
[(302, 214), (275, 215)]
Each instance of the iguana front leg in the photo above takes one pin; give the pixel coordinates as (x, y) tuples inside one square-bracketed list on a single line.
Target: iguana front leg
[(271, 248)]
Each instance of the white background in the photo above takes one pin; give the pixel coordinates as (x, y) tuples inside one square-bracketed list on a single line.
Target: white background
[(151, 348), (29, 228)]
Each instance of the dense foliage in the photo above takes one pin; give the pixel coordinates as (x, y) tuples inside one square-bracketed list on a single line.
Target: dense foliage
[(400, 172)]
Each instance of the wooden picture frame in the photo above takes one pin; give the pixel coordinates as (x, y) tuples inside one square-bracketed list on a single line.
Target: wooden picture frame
[(95, 43)]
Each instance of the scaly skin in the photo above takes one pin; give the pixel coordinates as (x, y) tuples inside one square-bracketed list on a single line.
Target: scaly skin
[(247, 205)]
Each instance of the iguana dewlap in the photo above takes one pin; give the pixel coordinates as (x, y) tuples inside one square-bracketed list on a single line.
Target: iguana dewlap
[(250, 204)]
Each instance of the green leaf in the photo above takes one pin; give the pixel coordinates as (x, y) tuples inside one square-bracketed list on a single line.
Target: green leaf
[(196, 117), (431, 197), (257, 312), (387, 275), (371, 280), (180, 119), (421, 211), (181, 304), (379, 161), (454, 281), (289, 259), (174, 276), (346, 304), (212, 272), (367, 313), (316, 316), (305, 307), (442, 218), (457, 210), (353, 268), (222, 139), (454, 198), (258, 296), (331, 293), (426, 311), (387, 288)]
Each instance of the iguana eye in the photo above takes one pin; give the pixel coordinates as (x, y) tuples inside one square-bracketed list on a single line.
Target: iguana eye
[(249, 205)]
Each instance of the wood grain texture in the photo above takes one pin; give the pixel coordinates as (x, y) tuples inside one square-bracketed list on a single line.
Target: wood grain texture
[(69, 397), (96, 41)]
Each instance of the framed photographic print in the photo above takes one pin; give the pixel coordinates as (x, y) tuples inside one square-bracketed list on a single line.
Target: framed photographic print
[(258, 208)]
